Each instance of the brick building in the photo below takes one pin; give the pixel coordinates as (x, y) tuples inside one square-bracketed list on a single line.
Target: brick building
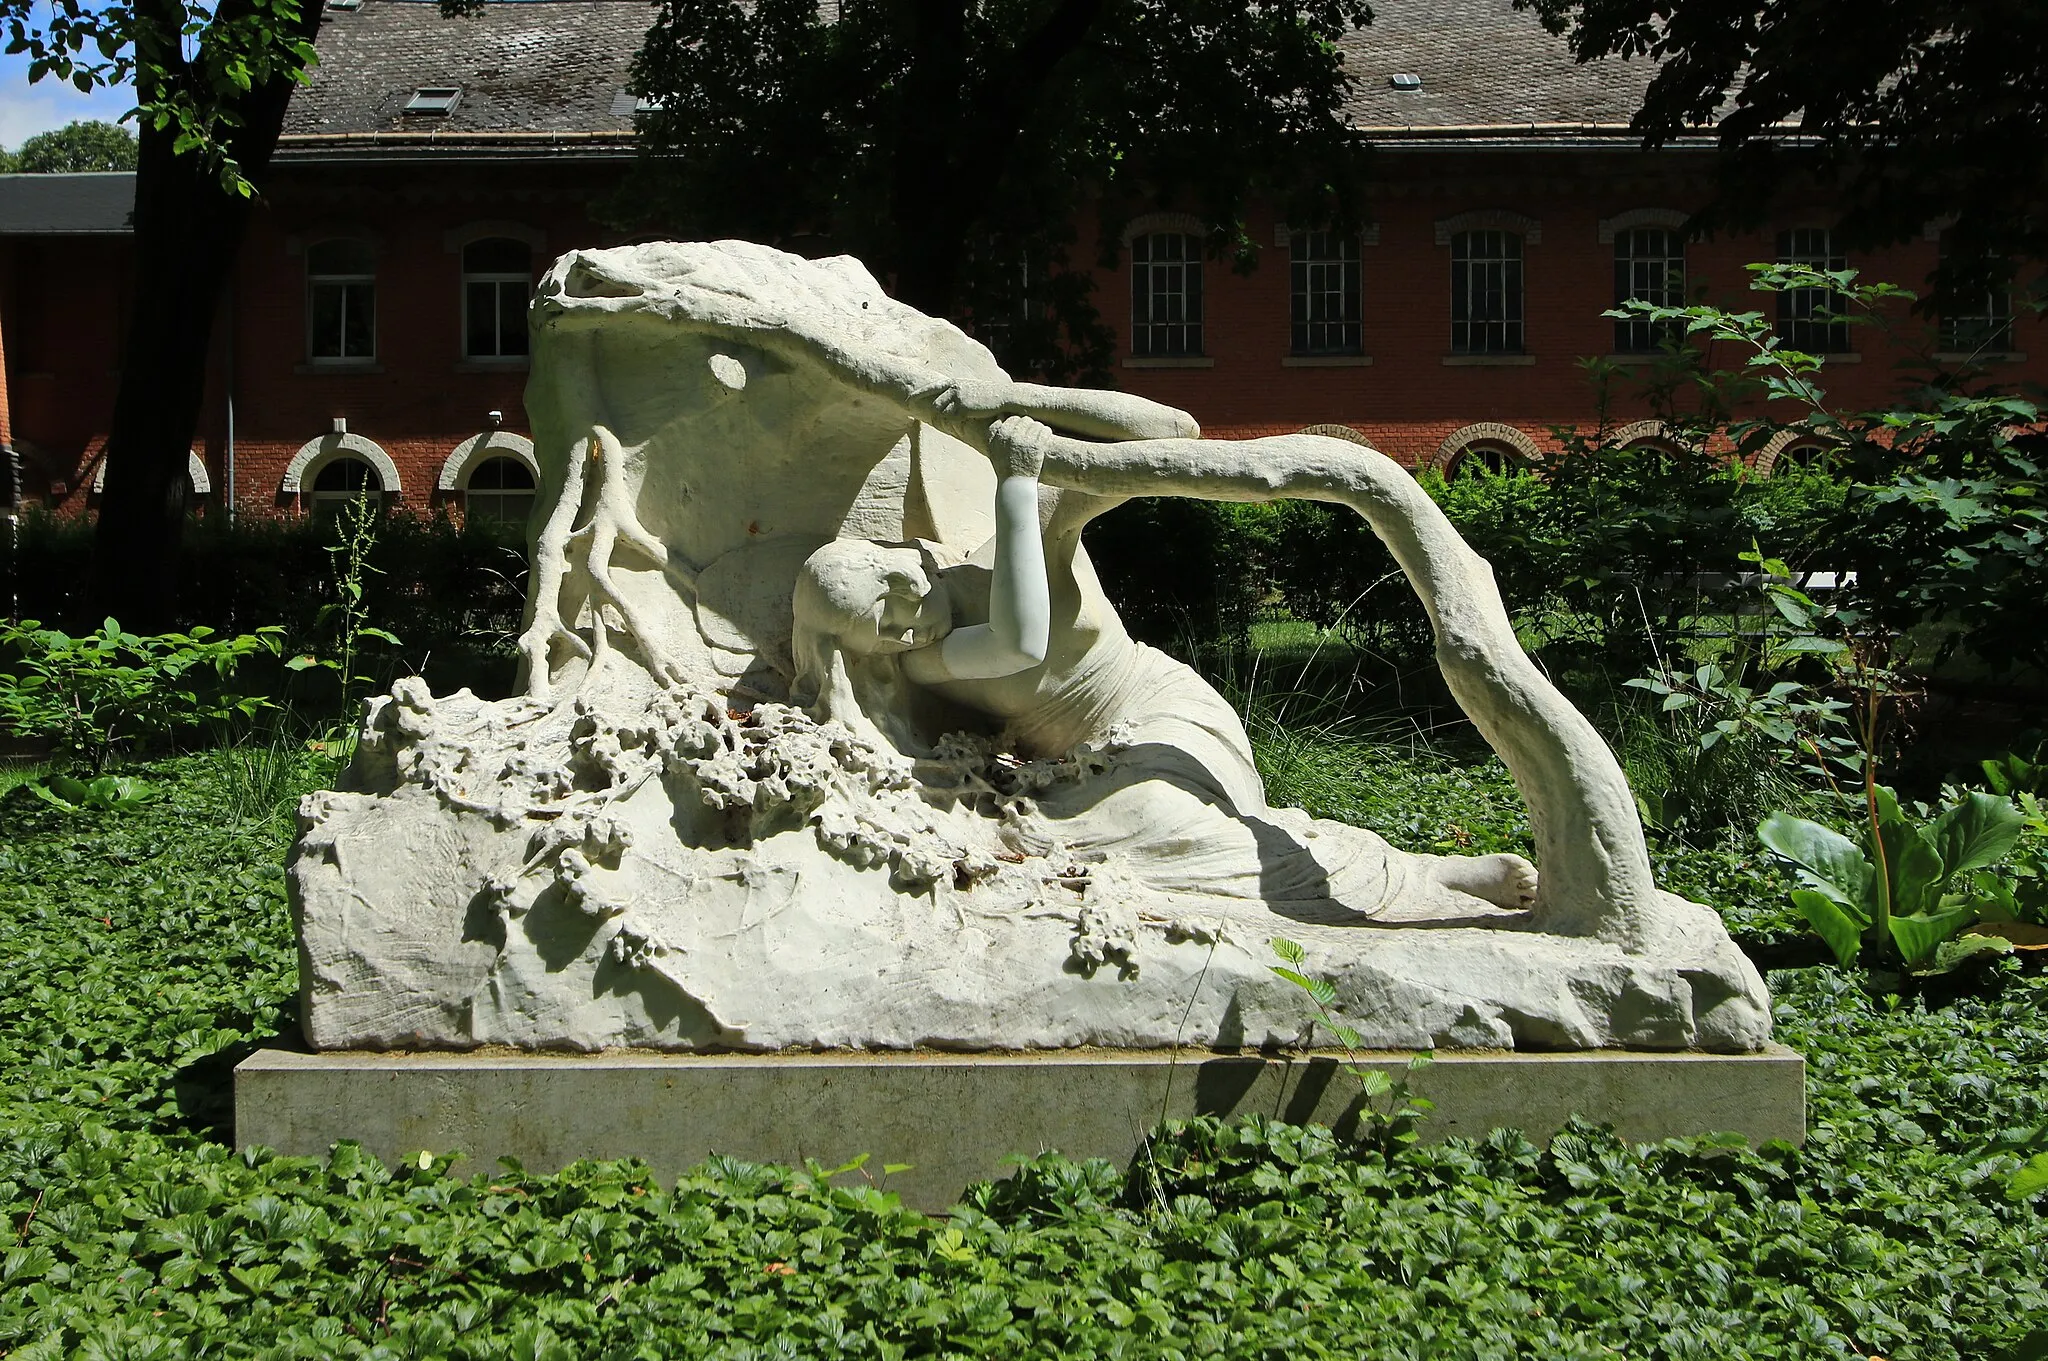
[(433, 168)]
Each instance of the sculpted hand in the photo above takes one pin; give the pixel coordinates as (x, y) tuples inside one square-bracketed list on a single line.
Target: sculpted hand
[(964, 409), (1017, 445)]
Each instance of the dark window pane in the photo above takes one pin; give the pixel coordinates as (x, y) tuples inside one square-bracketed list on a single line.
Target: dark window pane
[(324, 339), (481, 309), (501, 474), (358, 321), (351, 475), (512, 317)]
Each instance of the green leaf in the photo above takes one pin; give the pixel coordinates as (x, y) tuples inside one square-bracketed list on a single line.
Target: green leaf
[(1288, 950), (1826, 860), (1914, 867), (1976, 833), (1920, 934), (1832, 922), (2031, 1180)]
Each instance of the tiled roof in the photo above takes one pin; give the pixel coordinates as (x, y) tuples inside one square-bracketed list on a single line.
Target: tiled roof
[(67, 205), (555, 70), (528, 66), (1483, 66)]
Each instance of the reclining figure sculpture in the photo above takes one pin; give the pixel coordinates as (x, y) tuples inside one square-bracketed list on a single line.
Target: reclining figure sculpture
[(829, 736)]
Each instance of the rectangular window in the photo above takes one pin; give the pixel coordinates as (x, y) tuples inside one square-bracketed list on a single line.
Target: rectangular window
[(1166, 295), (1809, 319), (1649, 266), (495, 313), (1978, 324), (1486, 293), (341, 301), (1326, 293)]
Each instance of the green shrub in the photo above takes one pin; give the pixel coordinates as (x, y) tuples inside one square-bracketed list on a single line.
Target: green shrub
[(453, 593)]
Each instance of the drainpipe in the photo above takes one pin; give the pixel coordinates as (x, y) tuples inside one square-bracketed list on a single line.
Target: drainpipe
[(13, 489), (228, 385)]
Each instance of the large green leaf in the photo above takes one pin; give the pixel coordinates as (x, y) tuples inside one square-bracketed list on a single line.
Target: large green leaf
[(1841, 927), (1913, 867), (1920, 934), (1827, 860), (1976, 833)]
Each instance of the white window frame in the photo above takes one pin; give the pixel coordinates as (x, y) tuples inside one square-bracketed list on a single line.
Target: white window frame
[(1646, 270), (1799, 309), (1314, 257), (1474, 252), (495, 278), (342, 281), (1160, 288)]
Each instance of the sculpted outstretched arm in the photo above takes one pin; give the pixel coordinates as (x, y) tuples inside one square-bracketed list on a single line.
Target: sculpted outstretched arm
[(1019, 627), (1596, 869)]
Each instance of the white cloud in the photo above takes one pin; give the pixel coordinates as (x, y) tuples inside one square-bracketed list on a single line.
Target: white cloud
[(26, 109)]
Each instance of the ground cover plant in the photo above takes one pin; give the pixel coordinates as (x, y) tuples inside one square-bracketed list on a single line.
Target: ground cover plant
[(142, 953)]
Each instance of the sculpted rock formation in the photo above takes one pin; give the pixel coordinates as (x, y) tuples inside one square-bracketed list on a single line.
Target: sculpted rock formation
[(829, 737)]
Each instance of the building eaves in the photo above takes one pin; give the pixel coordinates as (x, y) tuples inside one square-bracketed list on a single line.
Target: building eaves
[(96, 204)]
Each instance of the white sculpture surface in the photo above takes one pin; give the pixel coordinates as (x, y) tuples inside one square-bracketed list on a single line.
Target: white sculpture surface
[(831, 738)]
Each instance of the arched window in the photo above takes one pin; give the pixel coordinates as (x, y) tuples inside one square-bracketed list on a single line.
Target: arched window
[(497, 281), (1476, 460), (341, 301), (1166, 295), (500, 490), (1649, 266), (1486, 292), (340, 481)]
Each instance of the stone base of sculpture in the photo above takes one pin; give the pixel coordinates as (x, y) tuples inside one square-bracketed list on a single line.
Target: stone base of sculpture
[(831, 739), (955, 1119), (660, 870)]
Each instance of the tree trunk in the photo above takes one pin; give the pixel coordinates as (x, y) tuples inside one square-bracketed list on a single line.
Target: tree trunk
[(188, 229)]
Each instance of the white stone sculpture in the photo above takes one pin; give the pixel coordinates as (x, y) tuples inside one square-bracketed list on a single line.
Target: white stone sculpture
[(830, 737)]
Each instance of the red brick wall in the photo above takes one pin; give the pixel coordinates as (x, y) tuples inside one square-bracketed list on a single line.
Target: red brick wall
[(419, 400)]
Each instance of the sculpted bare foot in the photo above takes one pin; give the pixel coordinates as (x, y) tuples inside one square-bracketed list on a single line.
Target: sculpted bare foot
[(1503, 880)]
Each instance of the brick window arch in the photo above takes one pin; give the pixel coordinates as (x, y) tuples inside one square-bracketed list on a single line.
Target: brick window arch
[(1486, 443)]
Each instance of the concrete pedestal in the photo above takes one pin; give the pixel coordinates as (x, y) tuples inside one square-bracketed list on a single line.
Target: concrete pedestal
[(953, 1117)]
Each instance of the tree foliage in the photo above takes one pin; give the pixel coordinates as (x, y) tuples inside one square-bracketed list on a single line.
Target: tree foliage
[(1913, 109), (193, 63), (77, 147), (951, 144)]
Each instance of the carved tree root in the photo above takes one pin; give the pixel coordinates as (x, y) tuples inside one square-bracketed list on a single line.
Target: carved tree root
[(612, 523)]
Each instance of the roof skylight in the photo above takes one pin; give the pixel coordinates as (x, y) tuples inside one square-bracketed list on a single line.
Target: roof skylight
[(433, 99), (1404, 81)]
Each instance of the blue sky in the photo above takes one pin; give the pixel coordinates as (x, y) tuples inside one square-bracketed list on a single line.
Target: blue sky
[(26, 109)]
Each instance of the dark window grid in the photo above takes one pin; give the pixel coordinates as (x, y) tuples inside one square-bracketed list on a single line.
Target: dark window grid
[(1809, 318), (494, 315), (341, 481), (1166, 296), (341, 316), (1649, 266), (1486, 293), (501, 489), (1326, 300), (1987, 330)]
